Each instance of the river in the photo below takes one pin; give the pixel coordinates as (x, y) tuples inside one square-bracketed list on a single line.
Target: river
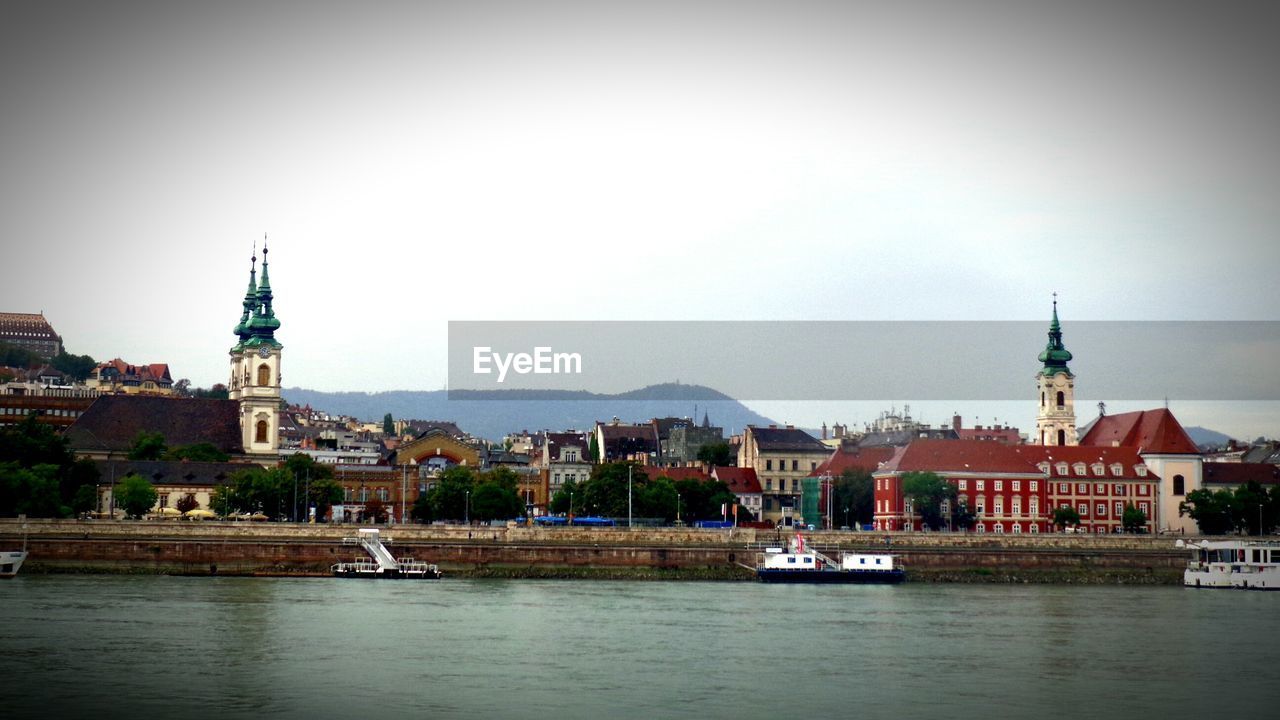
[(179, 647)]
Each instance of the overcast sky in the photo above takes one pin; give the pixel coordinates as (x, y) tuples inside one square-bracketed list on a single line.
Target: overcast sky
[(419, 162)]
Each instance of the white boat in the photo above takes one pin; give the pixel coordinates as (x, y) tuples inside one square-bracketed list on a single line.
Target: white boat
[(381, 563), (11, 562), (804, 565), (1238, 564)]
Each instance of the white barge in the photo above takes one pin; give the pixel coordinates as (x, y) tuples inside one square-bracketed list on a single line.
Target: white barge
[(1232, 564), (803, 565)]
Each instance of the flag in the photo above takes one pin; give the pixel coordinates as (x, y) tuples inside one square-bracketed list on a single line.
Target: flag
[(799, 542)]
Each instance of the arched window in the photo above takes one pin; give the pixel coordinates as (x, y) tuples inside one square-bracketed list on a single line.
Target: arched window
[(261, 435), (1179, 485), (1062, 437), (1042, 399), (1062, 398), (264, 374)]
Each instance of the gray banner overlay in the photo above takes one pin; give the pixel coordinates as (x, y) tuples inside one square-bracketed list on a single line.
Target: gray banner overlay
[(860, 360)]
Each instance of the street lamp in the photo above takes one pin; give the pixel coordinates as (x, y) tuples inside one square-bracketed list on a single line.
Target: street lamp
[(629, 494), (466, 512)]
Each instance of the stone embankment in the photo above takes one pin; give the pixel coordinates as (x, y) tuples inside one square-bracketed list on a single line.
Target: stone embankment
[(227, 548)]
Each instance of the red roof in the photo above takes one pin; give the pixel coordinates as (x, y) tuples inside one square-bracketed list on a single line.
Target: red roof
[(868, 458), (959, 456), (1150, 431), (678, 473), (1127, 457), (1227, 473), (742, 481)]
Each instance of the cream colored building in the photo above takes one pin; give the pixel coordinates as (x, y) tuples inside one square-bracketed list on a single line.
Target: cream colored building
[(781, 458)]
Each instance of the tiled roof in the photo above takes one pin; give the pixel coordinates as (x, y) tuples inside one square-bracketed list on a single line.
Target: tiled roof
[(112, 422), (956, 456), (678, 473), (861, 458), (171, 472), (1150, 431), (742, 481), (1226, 473), (31, 326), (771, 439), (1126, 457)]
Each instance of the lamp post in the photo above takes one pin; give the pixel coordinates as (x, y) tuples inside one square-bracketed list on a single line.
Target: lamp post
[(629, 494), (466, 511)]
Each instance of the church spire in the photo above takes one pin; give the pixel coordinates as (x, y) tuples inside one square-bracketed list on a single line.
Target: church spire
[(264, 322), (1055, 355), (250, 303)]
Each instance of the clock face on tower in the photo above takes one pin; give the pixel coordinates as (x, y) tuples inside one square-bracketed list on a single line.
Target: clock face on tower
[(264, 352)]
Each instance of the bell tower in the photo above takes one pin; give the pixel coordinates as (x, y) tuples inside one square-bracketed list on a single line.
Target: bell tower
[(1056, 421), (255, 365)]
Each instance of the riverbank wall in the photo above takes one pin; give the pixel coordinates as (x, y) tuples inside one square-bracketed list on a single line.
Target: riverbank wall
[(241, 548)]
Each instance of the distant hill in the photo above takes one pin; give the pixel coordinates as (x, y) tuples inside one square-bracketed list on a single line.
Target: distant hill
[(494, 413), (1205, 438)]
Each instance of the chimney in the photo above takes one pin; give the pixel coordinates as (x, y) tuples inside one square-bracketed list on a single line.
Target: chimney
[(955, 423)]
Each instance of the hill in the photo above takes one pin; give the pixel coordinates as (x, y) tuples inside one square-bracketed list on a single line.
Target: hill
[(1205, 438), (494, 413)]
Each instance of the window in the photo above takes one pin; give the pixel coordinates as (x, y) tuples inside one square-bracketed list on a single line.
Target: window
[(980, 484), (1061, 468), (1034, 528), (261, 435), (981, 504), (782, 484), (1082, 489), (1099, 489), (1119, 509), (1083, 509), (1141, 470), (1179, 485), (1145, 509), (768, 504), (1017, 528), (795, 465), (1102, 509), (1062, 488), (998, 528), (1017, 486), (1062, 400), (1035, 486), (1117, 469), (982, 527), (1044, 467), (1035, 505), (768, 483), (768, 464), (813, 465), (1142, 489), (963, 484), (1062, 437), (1078, 469), (999, 485), (1016, 504), (264, 374)]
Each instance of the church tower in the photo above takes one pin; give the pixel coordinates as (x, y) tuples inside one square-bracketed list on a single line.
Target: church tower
[(1056, 421), (255, 365)]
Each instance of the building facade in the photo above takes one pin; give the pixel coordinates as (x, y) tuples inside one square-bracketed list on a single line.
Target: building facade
[(30, 331), (1056, 419), (782, 458), (255, 366)]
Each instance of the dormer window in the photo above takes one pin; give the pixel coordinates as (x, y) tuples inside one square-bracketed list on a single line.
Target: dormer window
[(1098, 469), (1061, 468), (1044, 467), (1117, 469), (1078, 469)]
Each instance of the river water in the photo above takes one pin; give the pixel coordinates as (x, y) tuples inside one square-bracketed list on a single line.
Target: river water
[(143, 647)]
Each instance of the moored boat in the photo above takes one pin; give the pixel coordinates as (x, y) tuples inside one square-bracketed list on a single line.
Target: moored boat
[(1238, 564), (11, 561), (803, 565), (381, 563)]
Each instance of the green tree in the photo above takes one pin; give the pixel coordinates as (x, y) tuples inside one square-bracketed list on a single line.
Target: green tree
[(198, 452), (30, 491), (77, 366), (449, 495), (31, 444), (562, 501), (605, 491), (324, 493), (1215, 511), (147, 446), (1065, 517), (494, 501), (716, 454), (593, 449), (388, 425), (218, 391), (655, 499), (1252, 504), (421, 510), (14, 356), (927, 492), (136, 495), (1133, 519), (853, 497)]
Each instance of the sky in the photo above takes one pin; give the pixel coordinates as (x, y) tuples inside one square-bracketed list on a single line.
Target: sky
[(414, 163)]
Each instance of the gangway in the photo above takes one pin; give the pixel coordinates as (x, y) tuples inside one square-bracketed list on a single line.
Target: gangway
[(385, 564)]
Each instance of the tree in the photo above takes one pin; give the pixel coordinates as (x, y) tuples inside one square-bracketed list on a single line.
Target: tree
[(1133, 519), (493, 501), (198, 452), (716, 454), (147, 446), (136, 495), (593, 449), (562, 502), (77, 366), (29, 446), (375, 511), (1065, 517), (853, 496), (182, 388), (656, 499), (218, 391), (449, 496), (927, 492), (388, 425), (30, 491), (421, 510), (605, 491), (324, 494), (187, 503), (1215, 511)]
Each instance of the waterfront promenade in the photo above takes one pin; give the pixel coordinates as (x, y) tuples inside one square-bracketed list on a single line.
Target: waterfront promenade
[(246, 548)]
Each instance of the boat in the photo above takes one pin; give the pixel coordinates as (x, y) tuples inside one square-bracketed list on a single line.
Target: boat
[(1233, 564), (801, 564), (11, 562), (381, 563)]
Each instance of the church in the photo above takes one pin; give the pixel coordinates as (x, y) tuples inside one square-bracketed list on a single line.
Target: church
[(1144, 459)]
